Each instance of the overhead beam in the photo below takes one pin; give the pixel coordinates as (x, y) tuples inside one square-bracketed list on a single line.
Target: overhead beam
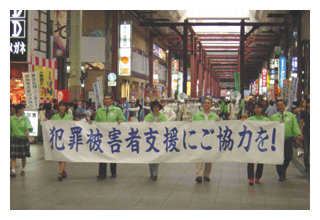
[(176, 30), (168, 24)]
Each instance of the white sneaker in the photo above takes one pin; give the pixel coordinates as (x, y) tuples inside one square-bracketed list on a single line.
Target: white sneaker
[(299, 153)]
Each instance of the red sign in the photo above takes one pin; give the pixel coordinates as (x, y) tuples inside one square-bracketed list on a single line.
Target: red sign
[(257, 87), (63, 95), (264, 77), (223, 92)]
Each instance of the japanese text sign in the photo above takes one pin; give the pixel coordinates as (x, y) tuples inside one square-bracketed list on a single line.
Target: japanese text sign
[(264, 77), (294, 64), (164, 142), (282, 71), (18, 35)]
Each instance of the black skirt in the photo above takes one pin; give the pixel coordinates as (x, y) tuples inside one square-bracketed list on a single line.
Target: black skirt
[(19, 147)]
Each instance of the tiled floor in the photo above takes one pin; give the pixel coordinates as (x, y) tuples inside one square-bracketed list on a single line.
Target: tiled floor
[(175, 188)]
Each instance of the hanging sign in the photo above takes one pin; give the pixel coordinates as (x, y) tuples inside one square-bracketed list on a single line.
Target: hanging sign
[(264, 77), (31, 88), (294, 64), (236, 82), (61, 24), (282, 71), (125, 48), (257, 87)]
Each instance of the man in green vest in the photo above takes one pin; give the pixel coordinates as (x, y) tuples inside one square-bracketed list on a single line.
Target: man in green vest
[(108, 113), (291, 130), (205, 115)]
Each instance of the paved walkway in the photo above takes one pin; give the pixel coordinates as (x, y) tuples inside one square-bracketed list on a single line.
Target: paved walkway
[(133, 189)]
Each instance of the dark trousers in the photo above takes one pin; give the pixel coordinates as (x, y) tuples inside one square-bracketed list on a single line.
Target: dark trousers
[(103, 169), (288, 152), (250, 169), (306, 146)]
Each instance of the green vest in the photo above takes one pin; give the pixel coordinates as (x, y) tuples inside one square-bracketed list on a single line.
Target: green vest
[(291, 127), (150, 117), (257, 118), (114, 115), (200, 116), (66, 117)]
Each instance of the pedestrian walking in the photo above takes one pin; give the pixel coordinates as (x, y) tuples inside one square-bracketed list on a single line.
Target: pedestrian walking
[(19, 143), (305, 129)]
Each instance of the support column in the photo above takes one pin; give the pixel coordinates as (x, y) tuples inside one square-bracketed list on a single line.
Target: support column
[(185, 57), (75, 54), (193, 69), (299, 92), (242, 74), (151, 40), (169, 73), (206, 82), (114, 61), (200, 80)]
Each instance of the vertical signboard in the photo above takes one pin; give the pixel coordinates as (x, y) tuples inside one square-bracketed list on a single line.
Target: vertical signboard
[(125, 48), (61, 19), (256, 86), (236, 82), (30, 81), (282, 71), (271, 63), (294, 64), (264, 77), (286, 90), (293, 89), (100, 89), (19, 51)]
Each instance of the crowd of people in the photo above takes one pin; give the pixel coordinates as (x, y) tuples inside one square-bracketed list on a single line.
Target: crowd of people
[(296, 121)]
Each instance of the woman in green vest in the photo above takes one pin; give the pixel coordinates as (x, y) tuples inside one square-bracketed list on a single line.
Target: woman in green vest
[(62, 116), (19, 143), (250, 168), (154, 116)]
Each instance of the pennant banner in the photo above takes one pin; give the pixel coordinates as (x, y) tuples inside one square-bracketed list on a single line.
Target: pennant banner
[(164, 142)]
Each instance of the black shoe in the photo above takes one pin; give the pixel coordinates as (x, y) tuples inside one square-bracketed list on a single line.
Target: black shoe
[(206, 179), (282, 177), (154, 178), (114, 175), (199, 179), (101, 177), (307, 169)]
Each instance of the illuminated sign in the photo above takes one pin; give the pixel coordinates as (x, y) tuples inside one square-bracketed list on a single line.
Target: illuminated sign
[(294, 64), (159, 52), (18, 36), (33, 118), (264, 77), (125, 49), (282, 71)]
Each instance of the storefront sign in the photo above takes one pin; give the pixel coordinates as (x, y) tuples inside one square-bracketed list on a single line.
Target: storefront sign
[(125, 48), (63, 95), (264, 77), (112, 83), (175, 66), (260, 87), (166, 142), (282, 71), (294, 64), (268, 80), (61, 32), (271, 63), (293, 89), (236, 82), (33, 118), (159, 52), (272, 71), (276, 63), (46, 81), (19, 36)]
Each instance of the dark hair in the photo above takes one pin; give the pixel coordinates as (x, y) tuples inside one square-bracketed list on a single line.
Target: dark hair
[(18, 107), (69, 103), (280, 100), (137, 102), (75, 106), (271, 103), (155, 103), (47, 107), (108, 94), (308, 101), (54, 101), (258, 104), (76, 100), (12, 106), (62, 103), (55, 107), (208, 99)]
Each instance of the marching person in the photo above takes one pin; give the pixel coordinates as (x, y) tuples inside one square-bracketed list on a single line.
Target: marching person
[(133, 111), (155, 116), (108, 113), (233, 110), (291, 130), (82, 110), (19, 143), (305, 128), (205, 115), (294, 111), (62, 115), (250, 168), (167, 111)]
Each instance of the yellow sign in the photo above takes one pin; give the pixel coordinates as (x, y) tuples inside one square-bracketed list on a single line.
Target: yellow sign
[(46, 81), (188, 88)]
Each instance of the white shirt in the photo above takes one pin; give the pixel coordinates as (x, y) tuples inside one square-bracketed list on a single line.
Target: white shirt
[(206, 116), (168, 113)]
